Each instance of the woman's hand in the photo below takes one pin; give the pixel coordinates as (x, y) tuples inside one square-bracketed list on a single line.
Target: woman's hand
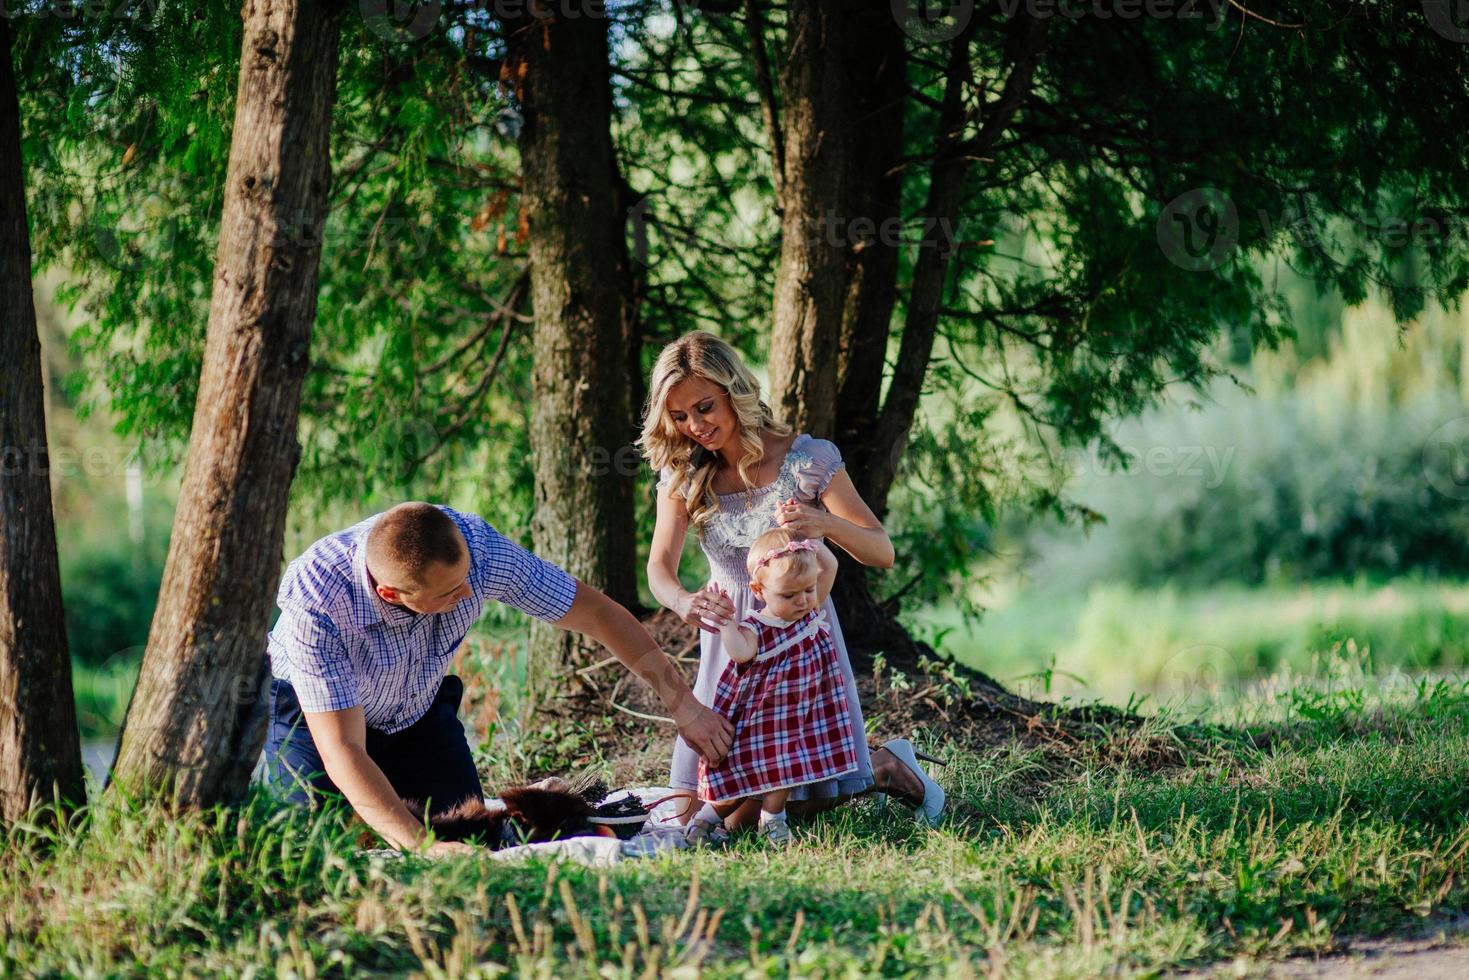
[(802, 520), (708, 609)]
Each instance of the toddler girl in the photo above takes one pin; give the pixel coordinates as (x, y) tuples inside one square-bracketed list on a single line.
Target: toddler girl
[(782, 690)]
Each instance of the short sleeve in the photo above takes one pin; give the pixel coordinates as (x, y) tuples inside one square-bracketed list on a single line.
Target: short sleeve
[(307, 651), (665, 477), (821, 461), (509, 574)]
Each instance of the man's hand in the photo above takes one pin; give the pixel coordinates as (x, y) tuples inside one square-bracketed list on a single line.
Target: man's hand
[(706, 731), (451, 848)]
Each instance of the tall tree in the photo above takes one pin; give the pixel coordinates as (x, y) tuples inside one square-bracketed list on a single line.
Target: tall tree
[(1080, 146), (812, 141), (196, 721), (582, 421), (39, 750)]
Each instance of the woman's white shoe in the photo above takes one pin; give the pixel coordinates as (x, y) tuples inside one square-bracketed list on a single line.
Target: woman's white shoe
[(933, 793)]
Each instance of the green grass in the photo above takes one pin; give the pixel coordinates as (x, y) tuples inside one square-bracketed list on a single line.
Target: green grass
[(1113, 641), (1354, 821)]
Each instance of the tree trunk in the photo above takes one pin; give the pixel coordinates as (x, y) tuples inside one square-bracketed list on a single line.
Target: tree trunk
[(877, 79), (40, 755), (816, 129), (858, 122), (945, 194), (582, 424), (196, 722)]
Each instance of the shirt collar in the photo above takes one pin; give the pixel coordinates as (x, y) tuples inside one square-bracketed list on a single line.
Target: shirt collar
[(775, 621)]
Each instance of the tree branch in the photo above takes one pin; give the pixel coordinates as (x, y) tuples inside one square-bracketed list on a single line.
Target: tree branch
[(756, 26)]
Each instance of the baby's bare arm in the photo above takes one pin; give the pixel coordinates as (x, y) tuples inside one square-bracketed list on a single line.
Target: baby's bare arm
[(827, 561), (738, 642)]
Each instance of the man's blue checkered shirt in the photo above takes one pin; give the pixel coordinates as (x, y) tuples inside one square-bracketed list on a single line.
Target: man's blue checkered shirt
[(340, 645)]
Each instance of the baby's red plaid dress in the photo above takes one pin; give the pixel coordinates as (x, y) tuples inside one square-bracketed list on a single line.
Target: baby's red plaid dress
[(789, 710)]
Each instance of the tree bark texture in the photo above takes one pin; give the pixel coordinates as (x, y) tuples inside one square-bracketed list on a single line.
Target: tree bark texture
[(196, 721), (583, 422), (40, 755), (817, 124), (842, 134)]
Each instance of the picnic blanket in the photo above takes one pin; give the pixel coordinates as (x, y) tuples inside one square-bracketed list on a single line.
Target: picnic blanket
[(661, 833)]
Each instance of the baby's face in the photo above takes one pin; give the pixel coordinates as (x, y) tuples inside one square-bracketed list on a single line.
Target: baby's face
[(789, 595)]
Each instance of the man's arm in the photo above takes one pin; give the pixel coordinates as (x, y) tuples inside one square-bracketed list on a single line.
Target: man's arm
[(593, 614), (341, 738)]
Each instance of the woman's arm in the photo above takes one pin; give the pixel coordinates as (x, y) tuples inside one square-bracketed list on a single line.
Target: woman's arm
[(847, 522), (669, 532)]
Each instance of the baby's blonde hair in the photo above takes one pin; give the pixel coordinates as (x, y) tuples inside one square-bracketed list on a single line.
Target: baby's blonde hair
[(703, 355), (797, 562)]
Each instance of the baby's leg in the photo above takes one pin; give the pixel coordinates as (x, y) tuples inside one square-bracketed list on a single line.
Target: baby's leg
[(774, 803), (774, 830), (726, 808), (713, 813)]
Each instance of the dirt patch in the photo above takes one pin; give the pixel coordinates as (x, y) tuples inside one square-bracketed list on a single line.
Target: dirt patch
[(623, 722), (1438, 951)]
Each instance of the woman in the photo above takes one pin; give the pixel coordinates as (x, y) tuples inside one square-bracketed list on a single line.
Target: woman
[(731, 471)]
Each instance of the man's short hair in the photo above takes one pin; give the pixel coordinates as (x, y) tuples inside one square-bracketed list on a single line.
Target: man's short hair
[(409, 538)]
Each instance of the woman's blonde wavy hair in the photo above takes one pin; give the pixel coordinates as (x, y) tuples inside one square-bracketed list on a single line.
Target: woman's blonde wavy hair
[(702, 355)]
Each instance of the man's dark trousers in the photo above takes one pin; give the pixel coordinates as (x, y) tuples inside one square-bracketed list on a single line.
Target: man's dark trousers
[(429, 761)]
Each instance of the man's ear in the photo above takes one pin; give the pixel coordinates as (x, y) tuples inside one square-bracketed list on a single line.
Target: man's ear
[(387, 593)]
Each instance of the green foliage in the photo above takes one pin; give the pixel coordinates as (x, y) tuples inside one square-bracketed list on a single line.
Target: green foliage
[(1076, 316), (1257, 491), (110, 591), (129, 151), (1195, 646)]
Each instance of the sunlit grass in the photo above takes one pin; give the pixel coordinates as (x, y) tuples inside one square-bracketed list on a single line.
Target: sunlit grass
[(1116, 641), (1346, 814)]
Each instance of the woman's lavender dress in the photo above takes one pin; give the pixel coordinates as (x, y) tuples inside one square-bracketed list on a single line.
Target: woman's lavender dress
[(742, 517)]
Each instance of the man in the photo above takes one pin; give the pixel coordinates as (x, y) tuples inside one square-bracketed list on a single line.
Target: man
[(361, 699)]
